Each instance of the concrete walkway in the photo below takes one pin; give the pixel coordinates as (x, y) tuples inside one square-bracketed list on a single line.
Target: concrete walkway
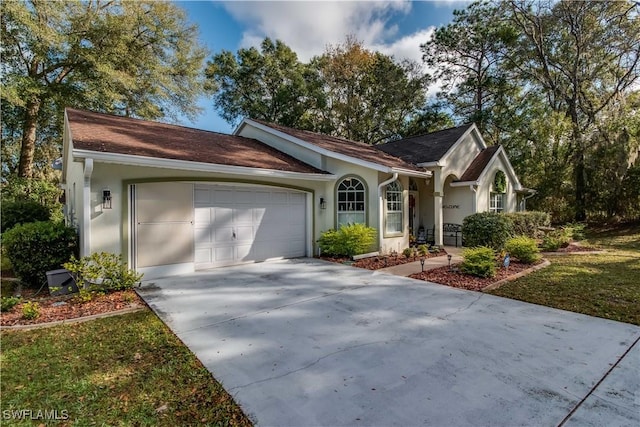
[(311, 343), (430, 263)]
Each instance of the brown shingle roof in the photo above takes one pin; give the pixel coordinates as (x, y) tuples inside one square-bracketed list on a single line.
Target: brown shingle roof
[(124, 135), (355, 149), (425, 148), (478, 164)]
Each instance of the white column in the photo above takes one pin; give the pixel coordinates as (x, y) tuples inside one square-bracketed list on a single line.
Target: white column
[(85, 228), (437, 205)]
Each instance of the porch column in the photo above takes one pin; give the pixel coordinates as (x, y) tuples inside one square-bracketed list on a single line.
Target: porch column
[(437, 205), (85, 228)]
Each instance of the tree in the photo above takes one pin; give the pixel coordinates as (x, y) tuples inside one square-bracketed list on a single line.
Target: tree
[(369, 96), (269, 84), (134, 58), (431, 118), (583, 56), (467, 56)]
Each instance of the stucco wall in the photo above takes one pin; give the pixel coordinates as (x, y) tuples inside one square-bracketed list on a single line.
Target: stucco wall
[(485, 188)]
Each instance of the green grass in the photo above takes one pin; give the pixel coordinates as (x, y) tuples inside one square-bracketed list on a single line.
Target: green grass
[(125, 370), (603, 285)]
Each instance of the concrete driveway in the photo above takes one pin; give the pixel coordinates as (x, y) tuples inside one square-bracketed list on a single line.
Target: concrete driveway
[(310, 343)]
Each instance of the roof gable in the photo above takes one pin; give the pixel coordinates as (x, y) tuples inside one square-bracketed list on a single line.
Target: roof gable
[(107, 133), (352, 151), (478, 168), (427, 148)]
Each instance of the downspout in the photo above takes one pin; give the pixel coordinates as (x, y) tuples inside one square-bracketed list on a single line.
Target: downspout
[(524, 200), (85, 236), (381, 207), (474, 205)]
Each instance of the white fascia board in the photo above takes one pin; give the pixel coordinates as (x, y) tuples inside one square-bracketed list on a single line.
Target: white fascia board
[(408, 172), (134, 160), (472, 129), (315, 148), (430, 164), (464, 183)]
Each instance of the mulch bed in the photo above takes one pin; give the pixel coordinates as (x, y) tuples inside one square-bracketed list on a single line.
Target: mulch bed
[(378, 262), (51, 310), (457, 279), (575, 247)]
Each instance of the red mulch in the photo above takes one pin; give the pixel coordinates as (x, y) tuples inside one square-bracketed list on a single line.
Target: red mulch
[(72, 309), (575, 247), (457, 279), (378, 262)]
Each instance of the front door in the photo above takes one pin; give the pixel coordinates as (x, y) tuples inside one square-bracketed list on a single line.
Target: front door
[(414, 213)]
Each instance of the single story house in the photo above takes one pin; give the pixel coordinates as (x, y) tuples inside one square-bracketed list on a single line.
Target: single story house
[(174, 199)]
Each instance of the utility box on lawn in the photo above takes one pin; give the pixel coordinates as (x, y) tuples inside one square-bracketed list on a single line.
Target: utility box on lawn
[(61, 282)]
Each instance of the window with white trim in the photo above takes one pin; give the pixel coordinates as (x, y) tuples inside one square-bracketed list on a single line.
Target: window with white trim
[(496, 202), (351, 202), (394, 208)]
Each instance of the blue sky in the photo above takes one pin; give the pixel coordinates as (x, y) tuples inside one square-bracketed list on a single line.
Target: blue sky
[(393, 27)]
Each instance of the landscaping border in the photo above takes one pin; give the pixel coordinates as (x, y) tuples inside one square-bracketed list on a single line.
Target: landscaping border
[(496, 285), (82, 319), (598, 252)]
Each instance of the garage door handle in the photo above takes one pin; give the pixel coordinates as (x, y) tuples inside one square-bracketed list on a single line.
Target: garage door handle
[(233, 233)]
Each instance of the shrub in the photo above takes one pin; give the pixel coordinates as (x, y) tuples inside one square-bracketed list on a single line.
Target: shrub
[(30, 310), (21, 212), (528, 223), (102, 272), (349, 240), (8, 303), (42, 192), (479, 261), (486, 229), (407, 252), (555, 240), (36, 247), (574, 230), (524, 248), (423, 250)]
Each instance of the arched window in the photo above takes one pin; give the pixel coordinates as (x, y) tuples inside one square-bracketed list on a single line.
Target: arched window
[(351, 202), (394, 208)]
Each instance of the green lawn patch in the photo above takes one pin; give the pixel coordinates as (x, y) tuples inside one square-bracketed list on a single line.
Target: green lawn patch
[(603, 285), (125, 370)]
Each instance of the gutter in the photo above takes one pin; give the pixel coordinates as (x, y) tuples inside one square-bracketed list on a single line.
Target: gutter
[(381, 207)]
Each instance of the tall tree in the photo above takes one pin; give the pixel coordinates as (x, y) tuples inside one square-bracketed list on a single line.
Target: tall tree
[(135, 58), (583, 56), (268, 84), (369, 96), (467, 57)]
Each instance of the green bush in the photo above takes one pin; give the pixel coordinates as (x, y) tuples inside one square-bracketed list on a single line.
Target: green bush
[(8, 303), (479, 261), (21, 212), (30, 310), (528, 223), (44, 192), (486, 229), (574, 231), (524, 248), (349, 240), (423, 250), (407, 252), (102, 272), (36, 247), (555, 240)]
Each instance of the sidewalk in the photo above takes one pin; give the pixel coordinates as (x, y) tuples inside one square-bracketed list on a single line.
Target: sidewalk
[(429, 264)]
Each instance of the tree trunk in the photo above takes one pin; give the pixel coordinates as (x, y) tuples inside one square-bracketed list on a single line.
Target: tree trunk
[(28, 148), (581, 207)]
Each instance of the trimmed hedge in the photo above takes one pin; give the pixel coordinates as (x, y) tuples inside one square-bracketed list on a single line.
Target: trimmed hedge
[(349, 240), (22, 212), (486, 229), (528, 223), (524, 248), (37, 247), (480, 261)]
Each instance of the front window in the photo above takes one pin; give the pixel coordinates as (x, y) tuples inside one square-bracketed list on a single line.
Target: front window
[(394, 208), (496, 203), (351, 202)]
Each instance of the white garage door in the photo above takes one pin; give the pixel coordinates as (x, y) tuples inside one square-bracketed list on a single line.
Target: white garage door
[(235, 224)]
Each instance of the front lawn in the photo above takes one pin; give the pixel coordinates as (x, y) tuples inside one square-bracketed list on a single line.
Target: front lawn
[(603, 285), (124, 370)]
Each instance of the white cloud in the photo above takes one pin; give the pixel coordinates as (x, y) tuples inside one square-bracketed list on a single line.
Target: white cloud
[(308, 27)]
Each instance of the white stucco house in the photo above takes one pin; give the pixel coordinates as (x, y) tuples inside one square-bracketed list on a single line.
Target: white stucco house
[(174, 199)]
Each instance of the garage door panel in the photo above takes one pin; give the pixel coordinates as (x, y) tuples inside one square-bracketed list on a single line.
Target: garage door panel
[(203, 256), (250, 224)]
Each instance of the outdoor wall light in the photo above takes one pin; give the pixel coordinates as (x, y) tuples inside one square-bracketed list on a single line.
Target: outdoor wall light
[(106, 199), (323, 203), (449, 258)]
